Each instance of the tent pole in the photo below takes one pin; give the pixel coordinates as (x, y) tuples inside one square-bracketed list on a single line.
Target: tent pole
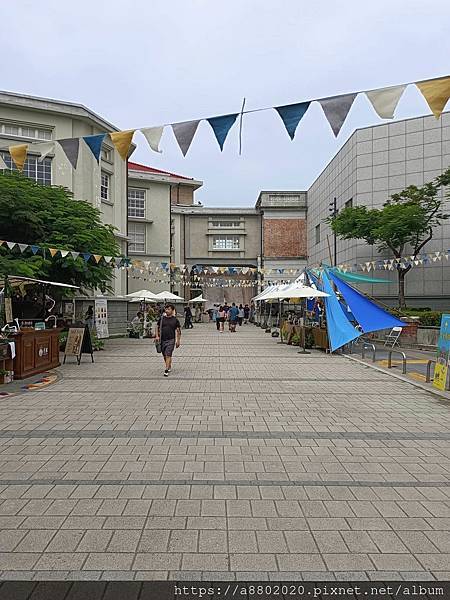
[(304, 350)]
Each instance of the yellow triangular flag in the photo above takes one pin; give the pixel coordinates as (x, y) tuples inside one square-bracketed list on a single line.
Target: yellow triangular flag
[(122, 141), (53, 251), (19, 155), (436, 92), (97, 257)]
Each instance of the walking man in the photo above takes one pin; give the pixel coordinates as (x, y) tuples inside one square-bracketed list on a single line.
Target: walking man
[(168, 332)]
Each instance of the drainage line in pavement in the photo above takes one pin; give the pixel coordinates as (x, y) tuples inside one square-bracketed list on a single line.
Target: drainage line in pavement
[(233, 482), (307, 435)]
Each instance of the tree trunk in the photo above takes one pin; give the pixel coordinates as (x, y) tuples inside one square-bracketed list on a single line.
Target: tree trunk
[(401, 286)]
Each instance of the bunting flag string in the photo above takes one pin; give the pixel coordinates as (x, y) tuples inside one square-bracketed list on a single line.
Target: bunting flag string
[(384, 101)]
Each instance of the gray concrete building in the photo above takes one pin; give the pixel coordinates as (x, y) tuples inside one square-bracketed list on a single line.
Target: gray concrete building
[(374, 163)]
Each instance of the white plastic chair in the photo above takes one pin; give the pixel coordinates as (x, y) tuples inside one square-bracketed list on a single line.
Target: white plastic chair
[(393, 336)]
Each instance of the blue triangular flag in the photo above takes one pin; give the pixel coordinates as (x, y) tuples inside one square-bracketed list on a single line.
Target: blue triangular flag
[(86, 255), (221, 126), (291, 115), (34, 249), (95, 144)]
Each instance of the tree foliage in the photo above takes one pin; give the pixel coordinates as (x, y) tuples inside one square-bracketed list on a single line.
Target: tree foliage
[(50, 217), (402, 226)]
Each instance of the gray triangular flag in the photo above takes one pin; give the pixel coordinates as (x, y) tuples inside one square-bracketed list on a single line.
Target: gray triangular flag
[(71, 148), (385, 100), (3, 165), (184, 133), (23, 247), (336, 110), (44, 148), (153, 136)]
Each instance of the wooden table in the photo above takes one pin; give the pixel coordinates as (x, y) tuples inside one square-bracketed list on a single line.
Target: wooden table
[(36, 351)]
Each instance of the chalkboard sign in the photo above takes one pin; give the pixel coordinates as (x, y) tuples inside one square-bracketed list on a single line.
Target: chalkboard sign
[(78, 342)]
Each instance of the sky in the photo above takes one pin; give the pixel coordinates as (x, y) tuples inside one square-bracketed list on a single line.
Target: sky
[(140, 63)]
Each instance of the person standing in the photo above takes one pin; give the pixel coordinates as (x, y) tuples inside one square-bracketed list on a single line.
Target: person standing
[(241, 314), (215, 316), (188, 317), (233, 315), (221, 319), (246, 313), (168, 332)]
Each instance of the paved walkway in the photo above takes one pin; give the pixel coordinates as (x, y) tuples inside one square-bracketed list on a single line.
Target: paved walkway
[(251, 460)]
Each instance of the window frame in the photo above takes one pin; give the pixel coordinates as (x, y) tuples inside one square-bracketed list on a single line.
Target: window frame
[(225, 224), (107, 176), (20, 131), (225, 238), (39, 171), (133, 232), (135, 208), (317, 233)]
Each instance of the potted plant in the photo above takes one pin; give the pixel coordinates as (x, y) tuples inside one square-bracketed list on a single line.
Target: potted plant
[(6, 376)]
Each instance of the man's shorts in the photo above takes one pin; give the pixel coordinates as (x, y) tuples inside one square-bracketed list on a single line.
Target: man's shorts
[(167, 347)]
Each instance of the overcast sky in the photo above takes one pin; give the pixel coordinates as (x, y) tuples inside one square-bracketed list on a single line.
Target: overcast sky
[(146, 62)]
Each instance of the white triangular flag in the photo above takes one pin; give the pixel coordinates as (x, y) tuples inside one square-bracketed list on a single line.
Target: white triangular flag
[(11, 245), (44, 149), (153, 136), (3, 165), (385, 100), (64, 253)]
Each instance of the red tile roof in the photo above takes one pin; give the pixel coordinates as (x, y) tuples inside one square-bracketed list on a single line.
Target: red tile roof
[(137, 167)]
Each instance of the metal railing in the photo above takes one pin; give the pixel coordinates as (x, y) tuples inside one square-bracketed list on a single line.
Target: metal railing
[(403, 355), (365, 346), (428, 375)]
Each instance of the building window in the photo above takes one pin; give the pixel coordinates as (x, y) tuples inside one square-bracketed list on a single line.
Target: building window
[(136, 203), (34, 133), (225, 224), (227, 242), (349, 203), (317, 233), (106, 154), (41, 172), (136, 233), (104, 186)]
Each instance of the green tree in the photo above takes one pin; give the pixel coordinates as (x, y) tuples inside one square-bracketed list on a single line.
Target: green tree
[(49, 217), (403, 226)]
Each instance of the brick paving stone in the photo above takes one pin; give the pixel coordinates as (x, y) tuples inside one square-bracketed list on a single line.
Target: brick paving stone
[(314, 468)]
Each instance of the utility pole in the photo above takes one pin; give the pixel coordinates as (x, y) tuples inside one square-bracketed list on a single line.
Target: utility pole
[(334, 212)]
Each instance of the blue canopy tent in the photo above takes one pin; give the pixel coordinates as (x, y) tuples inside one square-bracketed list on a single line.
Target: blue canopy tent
[(340, 330), (368, 314)]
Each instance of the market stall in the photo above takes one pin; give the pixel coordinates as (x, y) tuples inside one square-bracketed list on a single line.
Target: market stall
[(29, 344)]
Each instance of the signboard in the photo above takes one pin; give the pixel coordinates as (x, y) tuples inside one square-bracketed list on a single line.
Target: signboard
[(443, 354), (8, 311), (78, 342), (101, 317)]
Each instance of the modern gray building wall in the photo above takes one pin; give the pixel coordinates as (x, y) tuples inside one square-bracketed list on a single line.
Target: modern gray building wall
[(374, 163)]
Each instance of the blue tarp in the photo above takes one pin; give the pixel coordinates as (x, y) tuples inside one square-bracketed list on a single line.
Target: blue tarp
[(340, 330), (368, 314)]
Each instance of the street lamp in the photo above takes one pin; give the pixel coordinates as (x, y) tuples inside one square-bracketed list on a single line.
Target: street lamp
[(333, 213)]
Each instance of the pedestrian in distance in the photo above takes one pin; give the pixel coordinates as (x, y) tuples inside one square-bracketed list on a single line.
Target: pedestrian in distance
[(188, 317), (222, 317), (241, 315), (215, 316), (168, 333), (233, 315), (246, 313)]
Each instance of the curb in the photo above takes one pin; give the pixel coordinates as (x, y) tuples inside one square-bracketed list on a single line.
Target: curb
[(401, 378)]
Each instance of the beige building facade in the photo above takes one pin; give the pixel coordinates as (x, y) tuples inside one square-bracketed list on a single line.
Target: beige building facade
[(27, 120), (151, 195)]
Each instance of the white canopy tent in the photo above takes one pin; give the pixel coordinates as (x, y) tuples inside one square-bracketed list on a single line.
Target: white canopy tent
[(162, 296), (145, 295), (295, 290), (198, 299)]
